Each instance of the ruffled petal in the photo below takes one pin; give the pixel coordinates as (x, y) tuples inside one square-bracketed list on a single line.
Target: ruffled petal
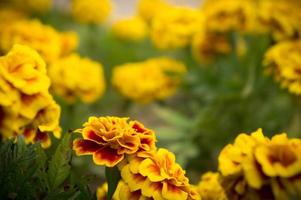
[(85, 147), (151, 170), (135, 181), (107, 156), (173, 192)]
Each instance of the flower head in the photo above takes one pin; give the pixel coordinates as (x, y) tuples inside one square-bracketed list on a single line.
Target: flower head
[(158, 176), (143, 82), (27, 107), (68, 78), (283, 61), (109, 139), (91, 11)]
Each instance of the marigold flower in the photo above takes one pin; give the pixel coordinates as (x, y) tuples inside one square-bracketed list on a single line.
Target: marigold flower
[(175, 27), (226, 16), (41, 37), (143, 82), (27, 107), (91, 11), (281, 18), (25, 69), (281, 157), (132, 29), (158, 176), (67, 77), (210, 188), (109, 139), (256, 167), (283, 60), (69, 42)]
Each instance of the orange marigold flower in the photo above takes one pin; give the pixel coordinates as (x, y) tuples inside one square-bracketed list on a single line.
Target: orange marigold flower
[(109, 139), (158, 176)]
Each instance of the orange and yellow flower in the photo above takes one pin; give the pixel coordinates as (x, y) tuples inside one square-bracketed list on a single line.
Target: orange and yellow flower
[(158, 176), (109, 139)]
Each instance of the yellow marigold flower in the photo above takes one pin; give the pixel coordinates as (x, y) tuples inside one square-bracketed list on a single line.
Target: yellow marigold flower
[(238, 159), (156, 78), (147, 9), (210, 188), (225, 16), (254, 165), (206, 45), (282, 18), (132, 29), (68, 78), (41, 37), (27, 107), (109, 139), (34, 5), (158, 176), (91, 11), (175, 27), (281, 157), (284, 62), (25, 70)]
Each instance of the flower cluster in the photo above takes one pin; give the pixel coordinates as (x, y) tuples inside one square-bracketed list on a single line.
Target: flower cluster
[(91, 11), (283, 61), (45, 39), (255, 167), (132, 29), (67, 76), (149, 80), (146, 172), (26, 106)]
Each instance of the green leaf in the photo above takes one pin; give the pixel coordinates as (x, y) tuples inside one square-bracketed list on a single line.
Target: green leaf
[(59, 167), (113, 177)]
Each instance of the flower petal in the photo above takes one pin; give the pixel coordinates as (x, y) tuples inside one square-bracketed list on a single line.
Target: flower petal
[(135, 181), (149, 169), (173, 192), (152, 189), (107, 156), (85, 147)]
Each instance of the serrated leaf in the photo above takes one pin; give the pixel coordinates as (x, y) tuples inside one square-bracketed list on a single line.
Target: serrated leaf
[(59, 167), (113, 177)]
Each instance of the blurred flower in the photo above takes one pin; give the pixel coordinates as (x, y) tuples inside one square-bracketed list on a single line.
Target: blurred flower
[(25, 69), (68, 78), (28, 108), (281, 157), (40, 37), (158, 176), (147, 9), (174, 27), (225, 16), (207, 45), (109, 139), (283, 61), (258, 168), (282, 18), (132, 29), (210, 188), (146, 81), (91, 11)]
